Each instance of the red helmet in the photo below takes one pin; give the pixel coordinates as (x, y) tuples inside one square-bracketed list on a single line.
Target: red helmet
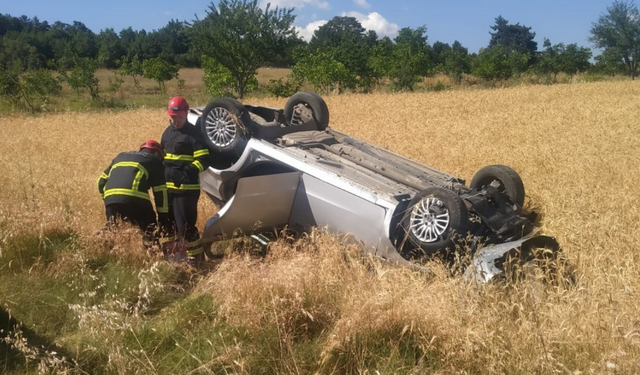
[(177, 104), (152, 145)]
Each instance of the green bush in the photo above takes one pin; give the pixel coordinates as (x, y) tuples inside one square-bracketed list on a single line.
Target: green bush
[(281, 89), (83, 76), (218, 80), (593, 78), (439, 86), (159, 70), (31, 90)]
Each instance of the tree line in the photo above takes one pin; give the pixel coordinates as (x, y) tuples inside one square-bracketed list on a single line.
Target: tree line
[(236, 37)]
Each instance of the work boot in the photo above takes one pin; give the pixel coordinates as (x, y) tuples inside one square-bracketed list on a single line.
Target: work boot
[(196, 261)]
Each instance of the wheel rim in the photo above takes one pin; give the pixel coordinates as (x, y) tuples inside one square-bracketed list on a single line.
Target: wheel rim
[(301, 114), (221, 127), (429, 219)]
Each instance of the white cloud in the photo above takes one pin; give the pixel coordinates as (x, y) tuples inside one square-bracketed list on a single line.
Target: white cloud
[(308, 30), (362, 4), (374, 21), (320, 4)]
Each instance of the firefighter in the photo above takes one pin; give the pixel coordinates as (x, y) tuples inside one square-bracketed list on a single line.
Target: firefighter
[(186, 156), (124, 187)]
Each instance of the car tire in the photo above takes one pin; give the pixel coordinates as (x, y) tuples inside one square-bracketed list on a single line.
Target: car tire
[(509, 182), (433, 221), (224, 124), (303, 106)]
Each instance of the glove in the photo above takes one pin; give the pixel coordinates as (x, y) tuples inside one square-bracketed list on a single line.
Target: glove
[(192, 172), (175, 176)]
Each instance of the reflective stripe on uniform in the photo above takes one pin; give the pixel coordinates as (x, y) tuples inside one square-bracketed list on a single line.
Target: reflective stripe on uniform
[(172, 186), (193, 250), (127, 192), (200, 153), (136, 180), (198, 165), (104, 177), (165, 198), (194, 247), (158, 188), (131, 164), (174, 157)]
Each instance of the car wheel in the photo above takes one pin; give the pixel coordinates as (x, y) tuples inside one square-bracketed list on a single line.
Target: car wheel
[(504, 179), (435, 218), (224, 125), (304, 106)]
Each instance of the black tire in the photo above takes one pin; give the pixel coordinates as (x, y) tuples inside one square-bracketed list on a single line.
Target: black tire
[(303, 106), (224, 124), (433, 221), (509, 182)]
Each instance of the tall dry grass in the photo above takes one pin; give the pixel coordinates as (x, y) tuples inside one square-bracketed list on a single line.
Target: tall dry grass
[(192, 78), (575, 146)]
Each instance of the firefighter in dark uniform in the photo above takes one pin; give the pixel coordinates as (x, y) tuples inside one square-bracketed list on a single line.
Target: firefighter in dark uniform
[(124, 187), (185, 157)]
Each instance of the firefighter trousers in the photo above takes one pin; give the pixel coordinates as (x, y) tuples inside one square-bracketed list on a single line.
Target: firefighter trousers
[(183, 211), (138, 215)]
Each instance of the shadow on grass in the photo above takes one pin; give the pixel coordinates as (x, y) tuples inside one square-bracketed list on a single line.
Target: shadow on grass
[(12, 358)]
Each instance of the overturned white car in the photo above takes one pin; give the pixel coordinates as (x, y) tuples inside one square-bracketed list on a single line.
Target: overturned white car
[(286, 167)]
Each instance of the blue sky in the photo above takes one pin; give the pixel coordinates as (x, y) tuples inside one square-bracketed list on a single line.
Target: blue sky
[(468, 21)]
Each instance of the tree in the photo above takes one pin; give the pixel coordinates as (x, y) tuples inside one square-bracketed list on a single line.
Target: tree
[(350, 44), (109, 48), (320, 69), (456, 61), (410, 58), (548, 62), (18, 50), (513, 38), (609, 63), (218, 80), (175, 42), (618, 33), (242, 37), (159, 70), (140, 43), (10, 90), (381, 58), (82, 76), (439, 50), (574, 59), (83, 41), (496, 63), (131, 67), (70, 42), (38, 86)]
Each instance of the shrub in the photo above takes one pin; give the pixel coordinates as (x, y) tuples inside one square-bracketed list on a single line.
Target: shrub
[(159, 70), (31, 90), (282, 89), (218, 80)]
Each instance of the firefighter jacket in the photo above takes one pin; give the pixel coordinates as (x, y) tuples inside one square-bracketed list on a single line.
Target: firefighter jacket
[(129, 178), (185, 157)]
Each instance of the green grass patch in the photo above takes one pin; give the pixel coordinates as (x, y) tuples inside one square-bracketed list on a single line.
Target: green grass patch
[(23, 252)]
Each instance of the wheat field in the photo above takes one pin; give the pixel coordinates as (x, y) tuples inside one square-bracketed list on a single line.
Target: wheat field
[(576, 146)]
